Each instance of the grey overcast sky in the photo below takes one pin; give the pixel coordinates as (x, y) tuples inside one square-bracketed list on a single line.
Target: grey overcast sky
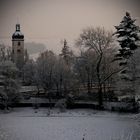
[(49, 21)]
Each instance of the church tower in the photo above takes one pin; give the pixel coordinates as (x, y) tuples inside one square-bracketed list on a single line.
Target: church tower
[(18, 47)]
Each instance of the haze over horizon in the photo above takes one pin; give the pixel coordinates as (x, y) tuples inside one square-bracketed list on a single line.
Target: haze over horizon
[(50, 21)]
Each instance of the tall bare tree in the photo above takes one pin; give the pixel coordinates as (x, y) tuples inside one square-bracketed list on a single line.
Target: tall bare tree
[(99, 40)]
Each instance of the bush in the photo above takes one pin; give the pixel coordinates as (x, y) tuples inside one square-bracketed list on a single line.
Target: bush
[(61, 104), (70, 101)]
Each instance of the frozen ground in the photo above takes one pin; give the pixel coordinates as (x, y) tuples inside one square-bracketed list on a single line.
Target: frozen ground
[(26, 124)]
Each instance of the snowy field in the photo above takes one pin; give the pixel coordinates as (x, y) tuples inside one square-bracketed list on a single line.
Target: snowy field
[(26, 124)]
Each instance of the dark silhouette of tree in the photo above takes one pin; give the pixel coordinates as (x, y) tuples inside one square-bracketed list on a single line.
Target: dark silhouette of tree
[(127, 34), (66, 53)]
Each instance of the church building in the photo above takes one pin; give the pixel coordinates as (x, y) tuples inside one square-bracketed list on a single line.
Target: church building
[(19, 54)]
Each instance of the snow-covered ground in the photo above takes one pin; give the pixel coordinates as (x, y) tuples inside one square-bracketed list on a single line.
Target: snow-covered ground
[(27, 124)]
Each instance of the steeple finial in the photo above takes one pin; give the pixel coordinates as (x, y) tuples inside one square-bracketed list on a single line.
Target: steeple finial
[(17, 20)]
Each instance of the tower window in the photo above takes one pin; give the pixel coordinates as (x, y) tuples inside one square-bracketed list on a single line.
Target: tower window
[(18, 43), (18, 50)]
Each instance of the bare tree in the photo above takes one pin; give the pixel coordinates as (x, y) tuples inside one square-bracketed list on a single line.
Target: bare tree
[(29, 72), (5, 52), (85, 67), (45, 66), (98, 40)]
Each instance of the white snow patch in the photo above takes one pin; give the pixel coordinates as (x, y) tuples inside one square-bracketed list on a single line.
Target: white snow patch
[(25, 124)]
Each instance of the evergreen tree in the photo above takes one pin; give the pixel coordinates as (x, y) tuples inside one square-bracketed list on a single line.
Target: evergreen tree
[(128, 35), (128, 38), (66, 53)]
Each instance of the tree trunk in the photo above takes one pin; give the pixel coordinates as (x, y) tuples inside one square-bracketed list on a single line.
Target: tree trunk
[(100, 94), (88, 84)]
